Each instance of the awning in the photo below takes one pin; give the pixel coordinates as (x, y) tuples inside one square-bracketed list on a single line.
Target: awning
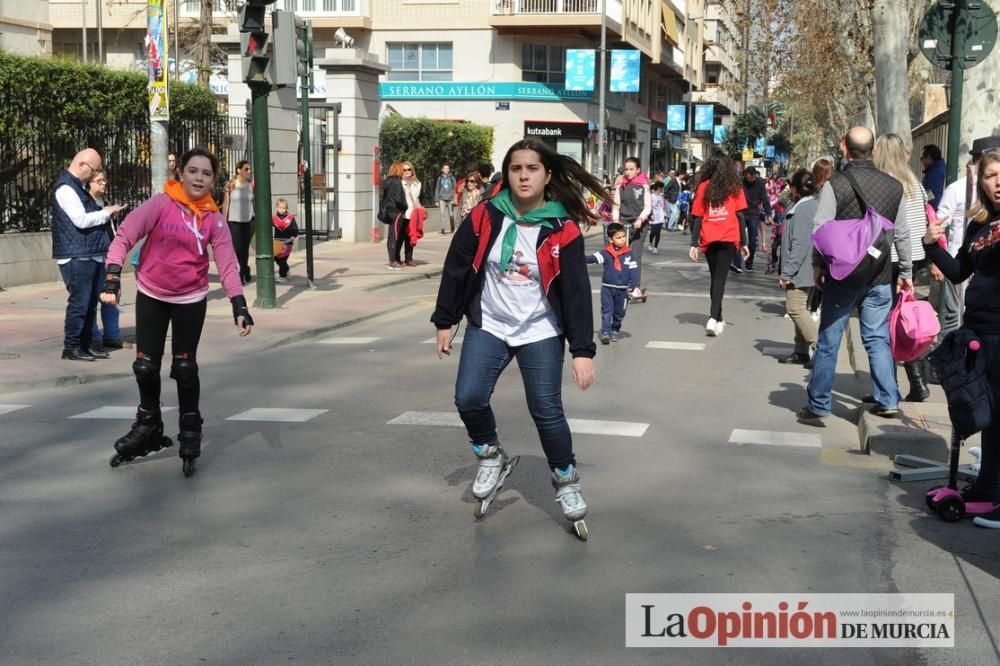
[(670, 24)]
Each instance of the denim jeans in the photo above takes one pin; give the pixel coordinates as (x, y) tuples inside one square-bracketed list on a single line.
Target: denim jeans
[(84, 279), (672, 215), (109, 319), (872, 304), (484, 357), (613, 304)]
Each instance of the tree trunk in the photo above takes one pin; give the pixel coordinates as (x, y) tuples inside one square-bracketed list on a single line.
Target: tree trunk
[(891, 24), (204, 44)]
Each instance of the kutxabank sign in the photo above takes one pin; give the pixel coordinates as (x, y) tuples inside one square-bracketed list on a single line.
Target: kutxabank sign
[(419, 90)]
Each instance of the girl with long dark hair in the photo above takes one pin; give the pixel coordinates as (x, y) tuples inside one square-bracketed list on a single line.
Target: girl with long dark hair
[(718, 230), (180, 225), (516, 270)]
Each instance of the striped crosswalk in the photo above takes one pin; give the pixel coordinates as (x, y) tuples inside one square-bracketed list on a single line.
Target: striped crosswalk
[(578, 426)]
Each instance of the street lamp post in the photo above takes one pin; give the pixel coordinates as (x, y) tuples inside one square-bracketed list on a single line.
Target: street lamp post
[(601, 129)]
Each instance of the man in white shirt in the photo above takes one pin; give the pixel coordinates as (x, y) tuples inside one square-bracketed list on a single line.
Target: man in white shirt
[(79, 242)]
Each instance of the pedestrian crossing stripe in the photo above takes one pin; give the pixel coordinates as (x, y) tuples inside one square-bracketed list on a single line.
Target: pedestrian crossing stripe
[(7, 409), (277, 414), (772, 438), (682, 346), (705, 294), (348, 341), (115, 412), (577, 426)]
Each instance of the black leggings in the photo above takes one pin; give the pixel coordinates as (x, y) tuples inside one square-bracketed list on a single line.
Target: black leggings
[(186, 322), (719, 255), (241, 233), (654, 234), (396, 241)]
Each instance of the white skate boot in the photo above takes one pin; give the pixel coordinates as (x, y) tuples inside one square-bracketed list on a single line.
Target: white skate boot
[(567, 484), (494, 468)]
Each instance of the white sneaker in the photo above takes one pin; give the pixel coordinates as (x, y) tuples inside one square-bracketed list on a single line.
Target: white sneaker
[(710, 327), (656, 250), (720, 326)]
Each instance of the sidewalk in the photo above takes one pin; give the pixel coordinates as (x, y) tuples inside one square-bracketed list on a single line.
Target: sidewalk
[(352, 284)]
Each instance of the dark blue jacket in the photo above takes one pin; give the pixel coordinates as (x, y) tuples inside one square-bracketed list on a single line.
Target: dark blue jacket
[(934, 177), (626, 278), (69, 241)]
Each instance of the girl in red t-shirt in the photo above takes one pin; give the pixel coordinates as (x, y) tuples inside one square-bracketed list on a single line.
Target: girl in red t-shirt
[(717, 228)]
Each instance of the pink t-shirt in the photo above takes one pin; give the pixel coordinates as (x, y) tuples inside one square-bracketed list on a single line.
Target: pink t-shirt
[(173, 265)]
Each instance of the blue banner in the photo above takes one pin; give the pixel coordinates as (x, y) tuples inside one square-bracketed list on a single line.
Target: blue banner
[(769, 152), (719, 134), (625, 70), (704, 117), (676, 118), (760, 145), (580, 69)]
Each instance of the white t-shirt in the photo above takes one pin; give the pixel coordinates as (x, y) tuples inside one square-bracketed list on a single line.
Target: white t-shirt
[(514, 305)]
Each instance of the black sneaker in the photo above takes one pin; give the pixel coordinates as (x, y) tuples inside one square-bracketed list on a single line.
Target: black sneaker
[(809, 416), (884, 412), (868, 399), (112, 344), (97, 352), (794, 358), (736, 269), (749, 269), (77, 355)]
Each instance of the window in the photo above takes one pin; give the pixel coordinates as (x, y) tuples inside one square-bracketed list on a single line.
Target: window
[(420, 62), (543, 63)]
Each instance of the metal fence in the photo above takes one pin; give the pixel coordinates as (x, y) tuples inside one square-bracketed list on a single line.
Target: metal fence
[(32, 160)]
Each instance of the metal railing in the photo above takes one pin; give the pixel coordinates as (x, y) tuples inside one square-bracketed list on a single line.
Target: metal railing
[(505, 7)]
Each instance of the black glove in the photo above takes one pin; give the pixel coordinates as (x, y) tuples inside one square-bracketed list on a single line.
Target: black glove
[(113, 281), (240, 310)]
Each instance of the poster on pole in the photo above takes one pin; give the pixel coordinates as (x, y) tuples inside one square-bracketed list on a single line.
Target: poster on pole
[(719, 134), (704, 117), (580, 69), (769, 152), (760, 145), (625, 70), (156, 59), (676, 118)]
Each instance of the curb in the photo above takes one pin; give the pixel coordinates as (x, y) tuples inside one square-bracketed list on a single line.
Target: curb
[(412, 277), (891, 437), (60, 382)]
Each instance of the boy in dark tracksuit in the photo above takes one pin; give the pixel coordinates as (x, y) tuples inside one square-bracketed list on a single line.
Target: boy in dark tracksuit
[(621, 275)]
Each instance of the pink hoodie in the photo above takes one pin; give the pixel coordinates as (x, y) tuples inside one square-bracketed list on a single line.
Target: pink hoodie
[(174, 261)]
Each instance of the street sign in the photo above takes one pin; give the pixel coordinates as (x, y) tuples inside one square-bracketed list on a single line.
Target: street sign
[(980, 30)]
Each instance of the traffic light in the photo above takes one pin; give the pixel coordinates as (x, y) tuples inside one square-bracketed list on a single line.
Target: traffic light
[(290, 58), (254, 42)]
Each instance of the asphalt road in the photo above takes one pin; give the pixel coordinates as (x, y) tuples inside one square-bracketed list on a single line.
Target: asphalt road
[(348, 539)]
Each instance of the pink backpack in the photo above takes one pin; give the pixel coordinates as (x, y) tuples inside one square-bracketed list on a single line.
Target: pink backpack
[(913, 325)]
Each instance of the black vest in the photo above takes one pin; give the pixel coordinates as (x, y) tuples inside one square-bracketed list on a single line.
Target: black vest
[(633, 199), (67, 239), (882, 192)]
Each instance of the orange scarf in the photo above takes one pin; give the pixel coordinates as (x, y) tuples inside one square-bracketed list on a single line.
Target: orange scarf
[(206, 204)]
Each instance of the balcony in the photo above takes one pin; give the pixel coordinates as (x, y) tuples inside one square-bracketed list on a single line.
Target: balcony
[(716, 54), (554, 14), (345, 14), (714, 94)]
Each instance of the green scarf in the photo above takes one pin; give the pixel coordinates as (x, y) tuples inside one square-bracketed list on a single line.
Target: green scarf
[(542, 215)]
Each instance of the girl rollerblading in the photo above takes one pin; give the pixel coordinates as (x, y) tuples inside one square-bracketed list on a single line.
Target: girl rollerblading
[(145, 437), (516, 269)]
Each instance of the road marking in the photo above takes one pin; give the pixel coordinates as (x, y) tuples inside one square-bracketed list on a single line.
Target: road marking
[(777, 351), (431, 341), (347, 341), (277, 414), (676, 264), (684, 346), (578, 426), (738, 297), (7, 409), (772, 438), (114, 412)]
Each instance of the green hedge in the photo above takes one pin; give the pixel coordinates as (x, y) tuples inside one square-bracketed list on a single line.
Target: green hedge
[(430, 143)]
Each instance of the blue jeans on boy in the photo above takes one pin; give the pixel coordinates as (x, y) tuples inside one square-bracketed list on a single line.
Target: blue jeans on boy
[(673, 212), (484, 357), (613, 304), (84, 279), (109, 319), (839, 301)]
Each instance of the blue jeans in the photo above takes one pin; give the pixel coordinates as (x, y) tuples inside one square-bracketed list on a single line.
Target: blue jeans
[(873, 305), (84, 279), (109, 319), (672, 214), (484, 357), (613, 303)]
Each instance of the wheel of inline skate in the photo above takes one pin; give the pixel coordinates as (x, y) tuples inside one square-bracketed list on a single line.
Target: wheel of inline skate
[(188, 467), (116, 460), (478, 512), (166, 442), (951, 509), (580, 527)]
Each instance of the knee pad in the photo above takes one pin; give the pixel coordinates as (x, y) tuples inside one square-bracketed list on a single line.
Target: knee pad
[(145, 368), (184, 369)]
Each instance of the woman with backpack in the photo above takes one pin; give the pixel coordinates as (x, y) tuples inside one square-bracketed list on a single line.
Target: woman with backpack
[(516, 269), (979, 257), (893, 157)]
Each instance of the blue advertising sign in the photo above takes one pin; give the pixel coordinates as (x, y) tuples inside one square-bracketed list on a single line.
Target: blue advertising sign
[(760, 145), (580, 69), (676, 118), (769, 152), (625, 70), (704, 117), (719, 134)]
